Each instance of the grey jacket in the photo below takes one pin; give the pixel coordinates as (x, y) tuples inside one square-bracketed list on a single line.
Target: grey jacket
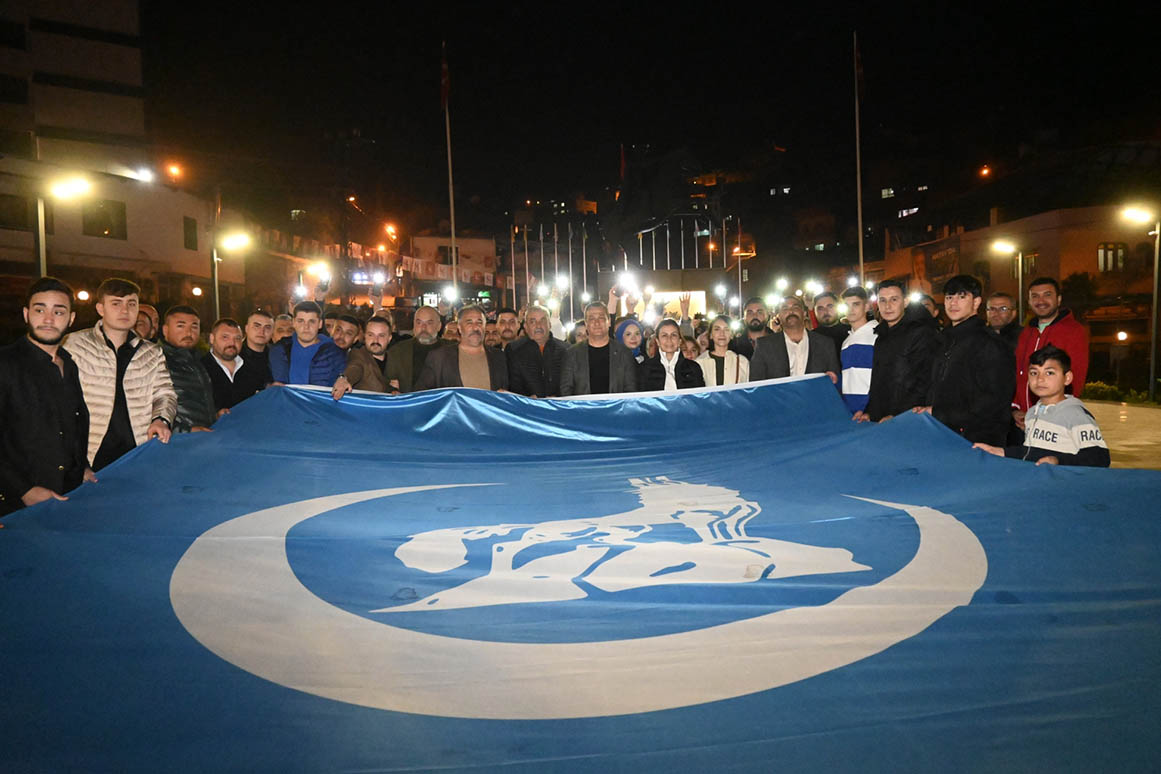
[(771, 360), (574, 370)]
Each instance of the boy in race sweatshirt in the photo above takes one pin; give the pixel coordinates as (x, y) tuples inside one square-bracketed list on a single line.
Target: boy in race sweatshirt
[(1059, 430)]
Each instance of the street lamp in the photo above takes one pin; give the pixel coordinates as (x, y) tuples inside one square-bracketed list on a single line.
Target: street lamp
[(232, 242), (1007, 248), (61, 190), (1143, 216)]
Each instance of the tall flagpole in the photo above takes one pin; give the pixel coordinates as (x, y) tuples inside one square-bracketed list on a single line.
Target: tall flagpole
[(527, 271), (541, 253), (555, 249), (858, 163), (445, 83), (512, 255), (571, 287)]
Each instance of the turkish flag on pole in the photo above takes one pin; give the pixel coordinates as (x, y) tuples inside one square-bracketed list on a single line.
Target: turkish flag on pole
[(444, 79)]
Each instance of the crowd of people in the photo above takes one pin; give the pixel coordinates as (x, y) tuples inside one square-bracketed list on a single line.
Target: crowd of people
[(70, 404)]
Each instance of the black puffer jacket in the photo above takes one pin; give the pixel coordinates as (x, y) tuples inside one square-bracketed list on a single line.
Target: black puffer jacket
[(973, 376), (195, 393), (651, 374), (901, 366)]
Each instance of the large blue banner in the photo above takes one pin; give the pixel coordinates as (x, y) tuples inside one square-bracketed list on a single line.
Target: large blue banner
[(729, 580)]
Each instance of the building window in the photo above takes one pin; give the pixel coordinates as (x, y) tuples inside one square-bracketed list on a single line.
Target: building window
[(888, 193), (297, 214), (820, 246), (104, 218), (189, 227), (13, 91), (1111, 256), (908, 212), (921, 188), (786, 189), (11, 34), (18, 213)]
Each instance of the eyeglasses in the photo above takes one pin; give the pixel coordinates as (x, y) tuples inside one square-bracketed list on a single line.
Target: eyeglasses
[(999, 308)]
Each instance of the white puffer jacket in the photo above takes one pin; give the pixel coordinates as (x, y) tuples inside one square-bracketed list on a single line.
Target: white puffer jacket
[(149, 391)]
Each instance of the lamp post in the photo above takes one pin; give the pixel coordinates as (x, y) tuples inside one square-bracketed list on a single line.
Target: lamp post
[(61, 190), (1138, 215), (1007, 248)]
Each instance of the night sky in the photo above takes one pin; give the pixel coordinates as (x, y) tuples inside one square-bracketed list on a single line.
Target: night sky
[(542, 95)]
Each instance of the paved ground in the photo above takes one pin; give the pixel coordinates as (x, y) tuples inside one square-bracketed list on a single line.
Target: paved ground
[(1133, 433)]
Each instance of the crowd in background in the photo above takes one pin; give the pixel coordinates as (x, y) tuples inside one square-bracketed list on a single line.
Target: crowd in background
[(72, 403)]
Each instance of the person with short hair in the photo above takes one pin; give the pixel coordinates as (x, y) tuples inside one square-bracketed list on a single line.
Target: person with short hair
[(148, 322), (492, 335), (181, 332), (127, 388), (794, 350), (407, 359), (719, 364), (283, 328), (467, 364), (901, 363), (1053, 325), (972, 372), (1059, 429), (347, 332), (255, 351), (508, 325), (858, 350), (598, 365), (329, 320), (233, 376), (44, 423), (309, 356), (755, 320), (668, 371), (827, 321), (1001, 313), (534, 362), (367, 365), (579, 333)]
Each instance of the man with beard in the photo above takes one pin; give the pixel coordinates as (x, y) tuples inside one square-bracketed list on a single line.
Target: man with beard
[(127, 387), (234, 377), (181, 332), (346, 332), (468, 363), (255, 351), (1001, 311), (492, 335), (408, 357), (508, 324), (901, 362), (972, 374), (534, 362), (755, 316), (1053, 325), (367, 365), (827, 318), (44, 424), (794, 350)]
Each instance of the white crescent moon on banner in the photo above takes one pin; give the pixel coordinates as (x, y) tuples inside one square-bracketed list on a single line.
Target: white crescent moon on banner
[(236, 593)]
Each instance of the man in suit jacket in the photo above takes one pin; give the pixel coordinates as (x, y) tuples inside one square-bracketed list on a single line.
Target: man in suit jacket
[(598, 365), (407, 357), (794, 350), (468, 363), (366, 365)]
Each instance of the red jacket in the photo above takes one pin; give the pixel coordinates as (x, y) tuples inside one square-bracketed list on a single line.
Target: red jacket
[(1063, 332)]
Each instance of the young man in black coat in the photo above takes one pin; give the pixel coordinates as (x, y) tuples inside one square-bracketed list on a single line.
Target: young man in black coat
[(973, 372), (668, 370), (901, 364), (44, 423)]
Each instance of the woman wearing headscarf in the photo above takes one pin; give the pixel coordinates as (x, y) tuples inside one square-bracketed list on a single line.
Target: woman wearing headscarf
[(719, 364), (630, 334)]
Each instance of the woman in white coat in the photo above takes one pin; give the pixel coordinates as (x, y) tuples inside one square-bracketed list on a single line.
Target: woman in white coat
[(719, 364)]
